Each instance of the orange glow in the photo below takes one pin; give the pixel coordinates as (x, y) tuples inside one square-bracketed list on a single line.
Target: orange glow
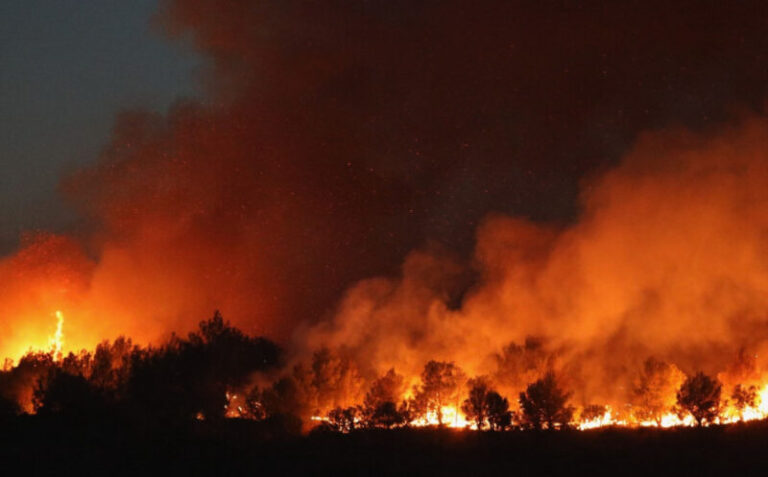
[(668, 259), (452, 417), (57, 341)]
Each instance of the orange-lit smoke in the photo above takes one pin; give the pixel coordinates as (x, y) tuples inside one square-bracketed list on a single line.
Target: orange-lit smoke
[(668, 259)]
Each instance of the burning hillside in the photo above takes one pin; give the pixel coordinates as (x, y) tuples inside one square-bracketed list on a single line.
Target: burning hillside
[(663, 277), (628, 291)]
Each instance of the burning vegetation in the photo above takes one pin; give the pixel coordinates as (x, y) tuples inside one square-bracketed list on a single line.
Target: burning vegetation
[(218, 372), (649, 311)]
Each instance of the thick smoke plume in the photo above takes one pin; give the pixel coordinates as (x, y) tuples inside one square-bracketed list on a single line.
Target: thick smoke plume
[(669, 259)]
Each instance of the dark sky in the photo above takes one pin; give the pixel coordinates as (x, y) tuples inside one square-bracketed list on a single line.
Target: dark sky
[(66, 69)]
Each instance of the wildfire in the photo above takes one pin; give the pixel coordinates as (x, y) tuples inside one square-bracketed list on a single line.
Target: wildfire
[(234, 405), (56, 342), (743, 402), (610, 420), (37, 341), (452, 417), (729, 415), (606, 419)]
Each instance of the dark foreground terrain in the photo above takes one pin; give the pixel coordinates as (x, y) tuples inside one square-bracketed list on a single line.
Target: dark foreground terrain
[(58, 446)]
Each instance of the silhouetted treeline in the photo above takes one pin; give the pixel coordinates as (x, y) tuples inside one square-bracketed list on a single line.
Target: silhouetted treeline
[(183, 379), (218, 371), (543, 405)]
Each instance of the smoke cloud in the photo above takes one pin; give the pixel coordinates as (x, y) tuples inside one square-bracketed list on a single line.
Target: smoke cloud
[(668, 260), (336, 139)]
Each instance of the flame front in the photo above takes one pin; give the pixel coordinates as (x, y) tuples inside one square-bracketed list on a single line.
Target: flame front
[(452, 417)]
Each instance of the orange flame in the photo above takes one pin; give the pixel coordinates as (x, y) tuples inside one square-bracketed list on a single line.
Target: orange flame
[(56, 342)]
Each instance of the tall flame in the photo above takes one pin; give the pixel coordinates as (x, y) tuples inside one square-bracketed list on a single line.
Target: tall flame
[(56, 342)]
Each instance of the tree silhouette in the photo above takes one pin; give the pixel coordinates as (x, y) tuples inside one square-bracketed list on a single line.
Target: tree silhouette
[(21, 381), (592, 412), (654, 392), (475, 407), (335, 379), (190, 376), (343, 419), (499, 415), (744, 397), (253, 408), (284, 397), (441, 383), (62, 393), (544, 404), (388, 415), (406, 412), (700, 396), (110, 364), (486, 406), (380, 404), (80, 364)]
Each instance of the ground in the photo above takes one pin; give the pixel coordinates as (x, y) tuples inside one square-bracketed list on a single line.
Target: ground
[(64, 446)]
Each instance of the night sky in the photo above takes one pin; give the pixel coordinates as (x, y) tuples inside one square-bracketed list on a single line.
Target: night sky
[(67, 68), (331, 139)]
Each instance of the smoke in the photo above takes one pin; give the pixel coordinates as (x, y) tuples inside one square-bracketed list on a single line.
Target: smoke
[(668, 259), (336, 138)]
